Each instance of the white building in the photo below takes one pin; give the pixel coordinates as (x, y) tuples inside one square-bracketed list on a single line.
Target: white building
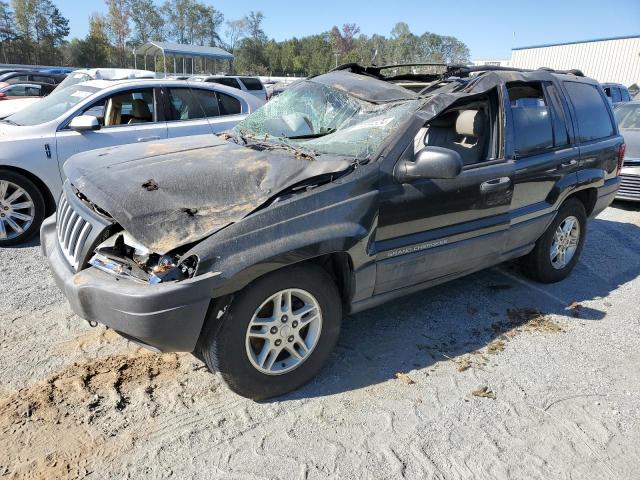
[(607, 60)]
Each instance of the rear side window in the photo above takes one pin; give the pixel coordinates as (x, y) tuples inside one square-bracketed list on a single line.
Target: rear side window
[(187, 104), (251, 83), (228, 105), (592, 111), (532, 125), (40, 78)]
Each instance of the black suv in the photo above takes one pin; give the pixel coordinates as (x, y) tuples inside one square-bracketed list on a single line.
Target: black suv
[(344, 192)]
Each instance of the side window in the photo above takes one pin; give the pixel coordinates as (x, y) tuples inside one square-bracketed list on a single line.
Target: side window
[(183, 105), (229, 82), (18, 79), (32, 90), (591, 111), (615, 95), (208, 102), (532, 125), (191, 104), (124, 108), (559, 117), (228, 105), (16, 90), (40, 78), (252, 83), (624, 94)]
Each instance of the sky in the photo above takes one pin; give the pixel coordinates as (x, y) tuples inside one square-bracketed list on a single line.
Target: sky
[(490, 28)]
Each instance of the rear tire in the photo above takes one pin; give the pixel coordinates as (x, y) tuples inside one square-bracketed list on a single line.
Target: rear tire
[(253, 348), (22, 208), (557, 251)]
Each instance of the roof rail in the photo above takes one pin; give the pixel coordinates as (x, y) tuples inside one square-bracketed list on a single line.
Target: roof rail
[(466, 70)]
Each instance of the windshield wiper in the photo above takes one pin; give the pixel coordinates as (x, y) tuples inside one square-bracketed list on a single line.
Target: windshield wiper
[(319, 134), (10, 122)]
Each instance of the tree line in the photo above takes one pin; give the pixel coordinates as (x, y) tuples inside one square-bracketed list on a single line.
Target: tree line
[(36, 32)]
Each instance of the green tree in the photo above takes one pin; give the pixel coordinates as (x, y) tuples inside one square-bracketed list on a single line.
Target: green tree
[(7, 32), (95, 50), (148, 22), (119, 27)]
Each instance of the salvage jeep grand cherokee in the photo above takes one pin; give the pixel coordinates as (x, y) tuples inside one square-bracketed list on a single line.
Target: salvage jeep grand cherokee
[(346, 191)]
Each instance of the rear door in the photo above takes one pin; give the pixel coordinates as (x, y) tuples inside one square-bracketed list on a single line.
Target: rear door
[(126, 116), (595, 130), (546, 156)]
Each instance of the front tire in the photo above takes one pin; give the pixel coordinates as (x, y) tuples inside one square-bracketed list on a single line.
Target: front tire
[(557, 251), (277, 333), (22, 208)]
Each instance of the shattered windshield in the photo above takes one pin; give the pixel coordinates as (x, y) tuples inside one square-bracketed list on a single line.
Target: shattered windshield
[(320, 119)]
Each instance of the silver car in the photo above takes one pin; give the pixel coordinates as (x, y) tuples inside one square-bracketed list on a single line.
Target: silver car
[(36, 141), (628, 117)]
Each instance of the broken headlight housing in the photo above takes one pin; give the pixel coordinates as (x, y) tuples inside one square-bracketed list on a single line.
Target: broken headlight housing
[(123, 256)]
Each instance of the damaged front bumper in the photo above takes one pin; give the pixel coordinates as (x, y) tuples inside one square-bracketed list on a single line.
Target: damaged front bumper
[(167, 317)]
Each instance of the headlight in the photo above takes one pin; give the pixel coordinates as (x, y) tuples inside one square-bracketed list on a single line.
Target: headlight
[(124, 256)]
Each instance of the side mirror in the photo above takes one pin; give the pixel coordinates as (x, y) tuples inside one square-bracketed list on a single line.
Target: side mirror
[(83, 123), (430, 162)]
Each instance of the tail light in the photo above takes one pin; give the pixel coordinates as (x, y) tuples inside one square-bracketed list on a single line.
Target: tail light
[(621, 151)]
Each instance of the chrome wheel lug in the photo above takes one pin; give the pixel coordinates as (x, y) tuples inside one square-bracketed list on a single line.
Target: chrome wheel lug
[(294, 324), (284, 319), (274, 330), (290, 339), (278, 342)]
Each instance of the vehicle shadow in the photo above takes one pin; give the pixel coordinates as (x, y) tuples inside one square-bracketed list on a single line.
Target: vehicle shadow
[(34, 242), (466, 315)]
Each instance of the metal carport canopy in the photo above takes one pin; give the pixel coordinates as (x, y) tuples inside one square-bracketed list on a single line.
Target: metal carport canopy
[(179, 50)]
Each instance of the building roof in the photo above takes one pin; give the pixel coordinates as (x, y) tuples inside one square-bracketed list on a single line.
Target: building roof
[(573, 43), (180, 50)]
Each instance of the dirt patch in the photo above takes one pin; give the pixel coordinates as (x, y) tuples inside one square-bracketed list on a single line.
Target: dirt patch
[(56, 427)]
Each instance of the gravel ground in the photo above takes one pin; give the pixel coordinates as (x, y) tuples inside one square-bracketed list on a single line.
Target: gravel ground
[(554, 369)]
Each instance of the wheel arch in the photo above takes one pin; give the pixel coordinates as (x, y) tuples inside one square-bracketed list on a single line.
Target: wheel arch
[(588, 197), (49, 201)]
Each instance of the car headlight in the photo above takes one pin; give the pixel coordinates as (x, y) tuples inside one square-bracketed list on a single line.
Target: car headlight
[(122, 255)]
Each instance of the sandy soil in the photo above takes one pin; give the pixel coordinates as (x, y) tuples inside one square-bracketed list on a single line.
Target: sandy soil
[(490, 376)]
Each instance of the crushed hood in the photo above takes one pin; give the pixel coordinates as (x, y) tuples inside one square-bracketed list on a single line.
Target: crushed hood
[(173, 192)]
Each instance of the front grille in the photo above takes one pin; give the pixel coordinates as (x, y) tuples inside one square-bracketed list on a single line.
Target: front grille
[(629, 186), (73, 231)]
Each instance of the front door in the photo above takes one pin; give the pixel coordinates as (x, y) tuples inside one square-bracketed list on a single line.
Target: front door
[(129, 116), (432, 229)]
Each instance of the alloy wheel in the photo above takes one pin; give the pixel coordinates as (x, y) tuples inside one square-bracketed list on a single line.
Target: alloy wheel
[(283, 331), (565, 242), (17, 210)]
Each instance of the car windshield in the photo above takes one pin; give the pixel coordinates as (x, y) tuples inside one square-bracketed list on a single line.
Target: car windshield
[(628, 116), (52, 106), (321, 119), (74, 79)]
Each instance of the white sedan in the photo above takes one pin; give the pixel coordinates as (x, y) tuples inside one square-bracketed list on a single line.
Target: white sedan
[(36, 141)]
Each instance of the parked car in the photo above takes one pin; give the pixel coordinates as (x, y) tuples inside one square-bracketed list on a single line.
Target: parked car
[(344, 192), (62, 70), (36, 141), (251, 85), (27, 76), (628, 117), (79, 76), (9, 91), (616, 92)]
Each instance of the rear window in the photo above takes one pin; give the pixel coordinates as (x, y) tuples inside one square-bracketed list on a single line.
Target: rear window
[(592, 111), (251, 83), (228, 105)]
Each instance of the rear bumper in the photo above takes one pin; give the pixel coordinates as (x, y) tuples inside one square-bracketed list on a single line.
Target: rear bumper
[(630, 186), (606, 195), (164, 317)]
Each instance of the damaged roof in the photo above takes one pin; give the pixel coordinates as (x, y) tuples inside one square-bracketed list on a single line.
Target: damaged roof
[(364, 87)]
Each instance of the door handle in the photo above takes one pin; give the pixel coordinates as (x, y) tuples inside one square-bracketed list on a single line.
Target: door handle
[(495, 184), (568, 164), (148, 139)]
